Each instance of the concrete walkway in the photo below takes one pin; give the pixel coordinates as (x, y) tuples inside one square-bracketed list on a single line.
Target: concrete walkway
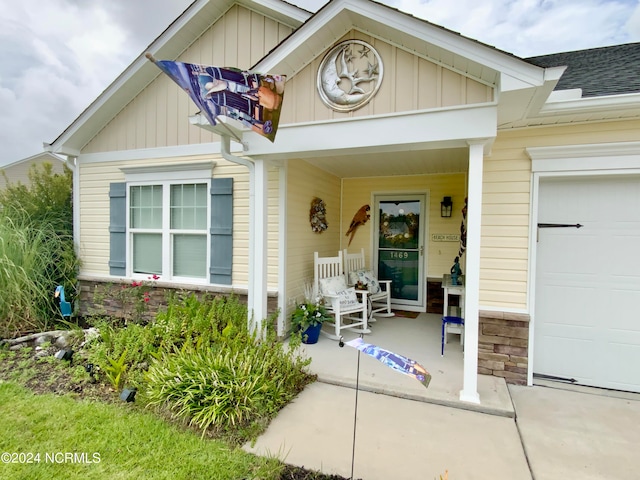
[(395, 438), (581, 433), (556, 434)]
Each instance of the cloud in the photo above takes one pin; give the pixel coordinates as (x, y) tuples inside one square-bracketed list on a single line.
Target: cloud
[(532, 27), (57, 56)]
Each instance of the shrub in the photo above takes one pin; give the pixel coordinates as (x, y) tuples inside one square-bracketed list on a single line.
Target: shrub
[(187, 324), (228, 386), (36, 249), (33, 260)]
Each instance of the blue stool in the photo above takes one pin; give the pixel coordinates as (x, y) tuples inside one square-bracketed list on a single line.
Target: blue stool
[(446, 321)]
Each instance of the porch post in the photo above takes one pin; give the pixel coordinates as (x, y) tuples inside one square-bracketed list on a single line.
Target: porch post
[(469, 392), (258, 278)]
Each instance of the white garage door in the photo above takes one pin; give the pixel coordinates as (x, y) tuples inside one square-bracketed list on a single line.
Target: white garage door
[(587, 305)]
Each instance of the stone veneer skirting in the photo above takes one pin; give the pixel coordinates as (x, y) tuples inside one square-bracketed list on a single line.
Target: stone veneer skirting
[(117, 298), (503, 341)]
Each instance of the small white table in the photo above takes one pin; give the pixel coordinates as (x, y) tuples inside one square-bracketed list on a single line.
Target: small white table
[(458, 290)]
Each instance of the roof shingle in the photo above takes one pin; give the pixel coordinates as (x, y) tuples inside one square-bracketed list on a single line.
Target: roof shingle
[(598, 71)]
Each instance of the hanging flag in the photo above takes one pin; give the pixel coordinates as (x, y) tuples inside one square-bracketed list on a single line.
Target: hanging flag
[(397, 362), (253, 99)]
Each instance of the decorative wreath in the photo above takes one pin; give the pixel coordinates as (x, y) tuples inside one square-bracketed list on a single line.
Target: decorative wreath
[(318, 215)]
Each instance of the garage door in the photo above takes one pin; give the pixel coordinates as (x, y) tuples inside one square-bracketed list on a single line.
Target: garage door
[(587, 295)]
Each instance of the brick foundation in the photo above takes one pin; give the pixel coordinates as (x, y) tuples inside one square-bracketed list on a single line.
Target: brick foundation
[(119, 299), (503, 346)]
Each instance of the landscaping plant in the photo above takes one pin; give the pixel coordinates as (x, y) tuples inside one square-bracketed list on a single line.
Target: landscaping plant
[(36, 250)]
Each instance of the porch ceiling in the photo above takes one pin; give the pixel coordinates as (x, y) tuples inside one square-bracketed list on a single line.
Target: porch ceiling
[(384, 164)]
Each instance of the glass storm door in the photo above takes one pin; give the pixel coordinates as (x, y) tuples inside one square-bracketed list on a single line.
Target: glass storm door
[(400, 221)]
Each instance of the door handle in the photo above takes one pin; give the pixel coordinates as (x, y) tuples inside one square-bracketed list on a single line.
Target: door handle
[(421, 250)]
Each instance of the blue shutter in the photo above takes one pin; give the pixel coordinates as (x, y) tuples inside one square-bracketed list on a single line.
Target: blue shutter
[(118, 229), (221, 230)]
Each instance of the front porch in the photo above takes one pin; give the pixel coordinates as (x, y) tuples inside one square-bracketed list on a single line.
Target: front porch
[(416, 338)]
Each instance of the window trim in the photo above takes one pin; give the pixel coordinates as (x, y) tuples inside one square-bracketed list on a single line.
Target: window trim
[(143, 177)]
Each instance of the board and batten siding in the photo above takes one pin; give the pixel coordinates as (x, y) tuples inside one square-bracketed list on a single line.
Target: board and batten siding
[(409, 83), (159, 115), (440, 255), (304, 183), (94, 213), (504, 251)]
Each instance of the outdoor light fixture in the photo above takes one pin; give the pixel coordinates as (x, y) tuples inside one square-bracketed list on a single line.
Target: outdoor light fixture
[(445, 207), (65, 354), (128, 395)]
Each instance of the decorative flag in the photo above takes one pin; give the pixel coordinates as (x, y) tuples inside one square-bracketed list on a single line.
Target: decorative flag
[(397, 362), (253, 99), (463, 229)]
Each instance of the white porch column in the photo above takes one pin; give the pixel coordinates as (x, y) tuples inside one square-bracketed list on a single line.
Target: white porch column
[(469, 392), (258, 240)]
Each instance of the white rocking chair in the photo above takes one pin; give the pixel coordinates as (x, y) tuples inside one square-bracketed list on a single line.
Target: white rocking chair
[(329, 283), (379, 290)]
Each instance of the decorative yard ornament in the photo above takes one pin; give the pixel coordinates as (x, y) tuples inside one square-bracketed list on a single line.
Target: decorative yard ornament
[(349, 75), (399, 363), (456, 271), (360, 218), (318, 215), (253, 99)]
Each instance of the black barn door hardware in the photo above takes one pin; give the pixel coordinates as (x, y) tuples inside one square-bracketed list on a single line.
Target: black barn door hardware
[(556, 225), (559, 225)]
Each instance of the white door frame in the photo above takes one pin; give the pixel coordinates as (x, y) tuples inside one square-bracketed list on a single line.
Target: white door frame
[(419, 305)]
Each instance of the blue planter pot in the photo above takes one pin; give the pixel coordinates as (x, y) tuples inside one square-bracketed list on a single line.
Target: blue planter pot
[(311, 334)]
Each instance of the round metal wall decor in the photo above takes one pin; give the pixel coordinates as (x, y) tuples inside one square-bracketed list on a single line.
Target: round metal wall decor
[(349, 76)]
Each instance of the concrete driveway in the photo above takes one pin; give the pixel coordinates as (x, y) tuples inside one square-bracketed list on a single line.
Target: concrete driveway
[(581, 433)]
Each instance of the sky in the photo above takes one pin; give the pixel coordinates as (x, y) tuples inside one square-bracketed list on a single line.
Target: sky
[(57, 56)]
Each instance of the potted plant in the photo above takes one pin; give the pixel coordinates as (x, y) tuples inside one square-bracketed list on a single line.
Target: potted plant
[(307, 319)]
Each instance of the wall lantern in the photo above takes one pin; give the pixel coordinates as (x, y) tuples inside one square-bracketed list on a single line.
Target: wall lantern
[(445, 207)]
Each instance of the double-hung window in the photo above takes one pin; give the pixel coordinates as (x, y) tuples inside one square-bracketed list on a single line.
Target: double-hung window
[(174, 221), (168, 225)]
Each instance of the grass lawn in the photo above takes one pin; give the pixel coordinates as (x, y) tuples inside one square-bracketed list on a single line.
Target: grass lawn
[(114, 441)]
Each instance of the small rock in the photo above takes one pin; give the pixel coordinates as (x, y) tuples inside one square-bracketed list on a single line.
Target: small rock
[(62, 341), (42, 339)]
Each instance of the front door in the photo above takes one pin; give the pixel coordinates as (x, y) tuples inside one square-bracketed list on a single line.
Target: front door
[(399, 247)]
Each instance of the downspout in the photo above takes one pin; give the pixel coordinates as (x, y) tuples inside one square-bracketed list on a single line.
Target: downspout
[(255, 310), (72, 163)]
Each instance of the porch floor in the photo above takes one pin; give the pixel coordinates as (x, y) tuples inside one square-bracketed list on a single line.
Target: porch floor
[(416, 338)]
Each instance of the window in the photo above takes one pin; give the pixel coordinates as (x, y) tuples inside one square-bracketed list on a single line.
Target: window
[(168, 229), (175, 221)]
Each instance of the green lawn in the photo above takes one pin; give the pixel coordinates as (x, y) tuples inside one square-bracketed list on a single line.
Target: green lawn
[(111, 441)]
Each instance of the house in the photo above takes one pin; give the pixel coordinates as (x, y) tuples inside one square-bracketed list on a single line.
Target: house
[(18, 171), (529, 149)]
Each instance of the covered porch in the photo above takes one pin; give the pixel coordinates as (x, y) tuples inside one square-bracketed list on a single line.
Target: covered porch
[(419, 339)]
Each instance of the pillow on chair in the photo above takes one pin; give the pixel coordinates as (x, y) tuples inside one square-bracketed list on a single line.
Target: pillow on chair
[(348, 298), (367, 278), (337, 286), (332, 285)]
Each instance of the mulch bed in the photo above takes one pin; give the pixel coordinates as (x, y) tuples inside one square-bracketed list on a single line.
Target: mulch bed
[(43, 376)]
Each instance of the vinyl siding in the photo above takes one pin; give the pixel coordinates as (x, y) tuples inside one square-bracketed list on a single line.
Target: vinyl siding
[(94, 215), (506, 203), (409, 83), (19, 172), (159, 115), (304, 182), (440, 255)]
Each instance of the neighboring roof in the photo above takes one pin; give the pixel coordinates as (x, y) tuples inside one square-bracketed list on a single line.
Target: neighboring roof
[(41, 157), (598, 71)]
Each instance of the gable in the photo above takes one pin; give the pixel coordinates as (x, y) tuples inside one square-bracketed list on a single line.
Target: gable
[(410, 82), (158, 115)]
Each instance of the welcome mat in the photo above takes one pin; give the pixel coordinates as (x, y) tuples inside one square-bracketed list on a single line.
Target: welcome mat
[(406, 314)]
